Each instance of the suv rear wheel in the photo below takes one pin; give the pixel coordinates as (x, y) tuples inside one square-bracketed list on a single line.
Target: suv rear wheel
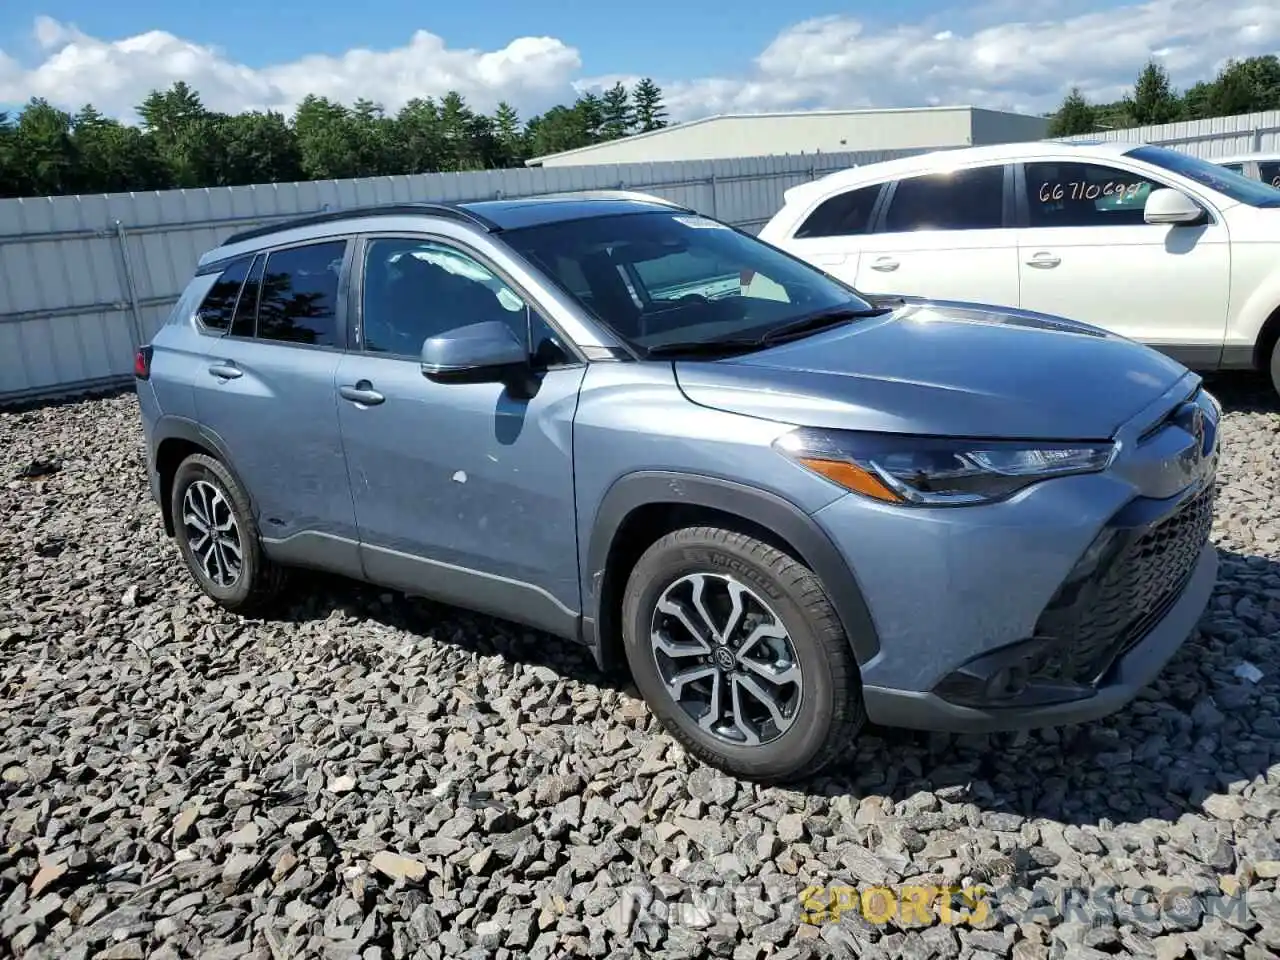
[(739, 653), (218, 537)]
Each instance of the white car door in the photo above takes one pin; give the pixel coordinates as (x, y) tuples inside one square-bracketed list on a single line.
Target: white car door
[(948, 236), (1088, 254)]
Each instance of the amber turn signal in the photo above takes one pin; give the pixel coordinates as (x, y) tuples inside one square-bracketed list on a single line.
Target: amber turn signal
[(852, 477)]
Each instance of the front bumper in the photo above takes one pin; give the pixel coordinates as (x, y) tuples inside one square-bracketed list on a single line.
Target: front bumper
[(1125, 679), (1056, 606)]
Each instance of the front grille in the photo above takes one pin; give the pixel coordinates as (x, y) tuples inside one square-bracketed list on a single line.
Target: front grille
[(1097, 618)]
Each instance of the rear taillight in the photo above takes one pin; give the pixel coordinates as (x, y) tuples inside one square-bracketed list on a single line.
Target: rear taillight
[(142, 363)]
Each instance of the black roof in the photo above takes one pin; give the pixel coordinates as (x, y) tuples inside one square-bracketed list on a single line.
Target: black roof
[(492, 216)]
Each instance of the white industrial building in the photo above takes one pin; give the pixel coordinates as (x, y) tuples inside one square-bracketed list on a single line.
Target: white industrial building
[(805, 132)]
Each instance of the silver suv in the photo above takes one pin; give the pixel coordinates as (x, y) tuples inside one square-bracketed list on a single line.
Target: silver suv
[(787, 512)]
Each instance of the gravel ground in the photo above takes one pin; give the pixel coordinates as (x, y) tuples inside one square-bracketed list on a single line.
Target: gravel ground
[(367, 776)]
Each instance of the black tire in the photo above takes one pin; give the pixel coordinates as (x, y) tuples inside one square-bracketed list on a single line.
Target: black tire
[(1275, 368), (830, 712), (259, 580)]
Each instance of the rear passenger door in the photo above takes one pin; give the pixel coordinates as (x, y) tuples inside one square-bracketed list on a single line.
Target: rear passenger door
[(947, 236), (267, 391), (463, 492)]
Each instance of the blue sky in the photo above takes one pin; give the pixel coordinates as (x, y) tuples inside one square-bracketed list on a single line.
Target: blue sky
[(708, 55), (709, 34)]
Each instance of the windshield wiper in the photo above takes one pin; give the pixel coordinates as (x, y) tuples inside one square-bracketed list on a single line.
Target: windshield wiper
[(698, 348), (819, 321), (794, 328)]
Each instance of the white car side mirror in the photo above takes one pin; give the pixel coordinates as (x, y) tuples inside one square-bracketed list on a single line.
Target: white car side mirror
[(1171, 206)]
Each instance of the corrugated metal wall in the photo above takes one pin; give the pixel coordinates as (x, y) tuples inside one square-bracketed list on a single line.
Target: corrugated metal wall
[(83, 280), (1217, 137)]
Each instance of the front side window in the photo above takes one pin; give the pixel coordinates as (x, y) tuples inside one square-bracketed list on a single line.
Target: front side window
[(970, 199), (219, 304), (663, 278), (416, 289), (298, 302), (844, 215), (1269, 172), (1073, 194), (1234, 185)]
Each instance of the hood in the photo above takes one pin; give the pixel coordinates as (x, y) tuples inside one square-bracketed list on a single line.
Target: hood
[(948, 369)]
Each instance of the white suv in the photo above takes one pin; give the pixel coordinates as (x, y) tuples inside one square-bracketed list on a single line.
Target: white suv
[(1156, 245)]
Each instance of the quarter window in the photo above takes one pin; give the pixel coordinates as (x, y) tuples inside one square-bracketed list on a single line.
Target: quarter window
[(220, 302), (970, 199), (1074, 194), (844, 215), (298, 302)]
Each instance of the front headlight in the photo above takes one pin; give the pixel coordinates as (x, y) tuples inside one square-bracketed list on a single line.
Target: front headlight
[(929, 471)]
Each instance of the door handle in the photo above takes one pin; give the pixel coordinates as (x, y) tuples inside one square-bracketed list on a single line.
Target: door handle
[(1045, 261), (225, 370), (884, 264), (362, 393)]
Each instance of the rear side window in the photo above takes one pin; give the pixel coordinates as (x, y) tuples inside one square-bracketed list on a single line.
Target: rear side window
[(219, 303), (247, 308), (844, 215), (298, 302), (1234, 167), (961, 200), (1269, 172)]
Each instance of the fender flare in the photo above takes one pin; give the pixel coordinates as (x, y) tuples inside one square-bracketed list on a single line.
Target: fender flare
[(171, 427), (646, 488)]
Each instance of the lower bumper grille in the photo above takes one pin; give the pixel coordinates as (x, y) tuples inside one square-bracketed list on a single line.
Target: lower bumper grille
[(1100, 614)]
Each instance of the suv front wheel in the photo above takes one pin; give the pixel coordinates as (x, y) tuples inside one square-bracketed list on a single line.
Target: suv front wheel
[(1275, 367), (737, 650), (218, 537)]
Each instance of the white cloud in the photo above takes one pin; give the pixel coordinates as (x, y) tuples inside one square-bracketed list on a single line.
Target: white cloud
[(992, 56), (115, 76), (1013, 54)]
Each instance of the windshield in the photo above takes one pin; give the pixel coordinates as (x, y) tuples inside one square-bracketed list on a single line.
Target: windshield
[(1234, 185), (664, 278)]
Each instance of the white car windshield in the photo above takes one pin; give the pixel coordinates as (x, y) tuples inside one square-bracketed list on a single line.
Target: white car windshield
[(1214, 176)]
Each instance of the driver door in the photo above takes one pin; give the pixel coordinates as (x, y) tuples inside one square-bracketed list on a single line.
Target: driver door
[(1087, 253), (462, 492)]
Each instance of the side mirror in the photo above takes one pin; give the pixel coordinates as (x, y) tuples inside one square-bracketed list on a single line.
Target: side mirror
[(475, 352), (1171, 206)]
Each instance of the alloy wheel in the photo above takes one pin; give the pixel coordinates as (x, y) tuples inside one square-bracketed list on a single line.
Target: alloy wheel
[(726, 658), (212, 533)]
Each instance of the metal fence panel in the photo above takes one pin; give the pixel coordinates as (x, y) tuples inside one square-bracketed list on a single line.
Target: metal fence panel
[(1215, 137), (84, 280)]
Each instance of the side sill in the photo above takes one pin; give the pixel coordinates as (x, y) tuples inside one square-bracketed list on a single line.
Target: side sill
[(1201, 357), (513, 600)]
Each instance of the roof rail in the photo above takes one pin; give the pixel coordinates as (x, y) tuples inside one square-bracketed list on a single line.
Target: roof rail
[(613, 195), (451, 211)]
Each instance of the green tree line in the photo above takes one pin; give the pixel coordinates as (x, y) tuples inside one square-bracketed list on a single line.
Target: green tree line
[(1241, 86), (45, 151)]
